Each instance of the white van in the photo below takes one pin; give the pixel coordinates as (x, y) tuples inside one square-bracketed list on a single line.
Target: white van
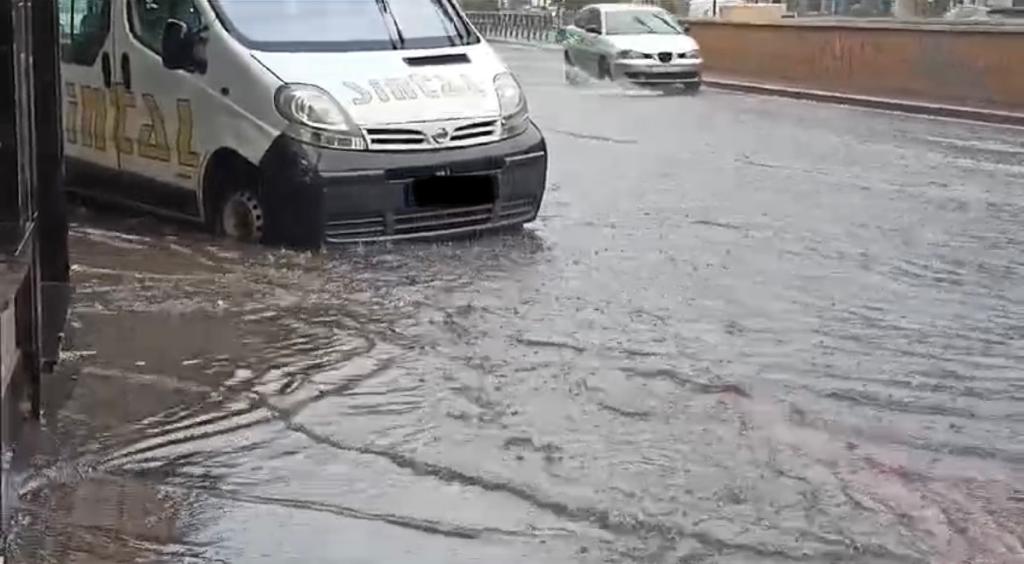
[(297, 122)]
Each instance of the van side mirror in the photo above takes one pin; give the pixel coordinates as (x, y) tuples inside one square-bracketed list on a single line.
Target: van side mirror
[(178, 48)]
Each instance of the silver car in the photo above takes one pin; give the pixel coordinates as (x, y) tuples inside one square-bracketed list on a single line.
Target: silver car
[(640, 44)]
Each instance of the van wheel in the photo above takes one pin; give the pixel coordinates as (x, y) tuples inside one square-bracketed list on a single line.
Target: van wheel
[(241, 217)]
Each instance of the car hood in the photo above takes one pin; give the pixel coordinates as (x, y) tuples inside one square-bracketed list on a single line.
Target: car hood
[(654, 43), (383, 87)]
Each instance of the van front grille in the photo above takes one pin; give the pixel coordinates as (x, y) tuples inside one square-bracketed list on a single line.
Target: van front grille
[(392, 137), (477, 130), (438, 135)]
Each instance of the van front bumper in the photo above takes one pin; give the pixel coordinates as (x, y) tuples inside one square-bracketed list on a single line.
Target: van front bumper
[(312, 195)]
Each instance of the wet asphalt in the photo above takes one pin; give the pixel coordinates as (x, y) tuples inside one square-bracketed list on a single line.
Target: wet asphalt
[(743, 329)]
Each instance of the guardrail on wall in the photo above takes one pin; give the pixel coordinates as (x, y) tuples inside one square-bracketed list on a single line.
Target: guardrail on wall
[(524, 26)]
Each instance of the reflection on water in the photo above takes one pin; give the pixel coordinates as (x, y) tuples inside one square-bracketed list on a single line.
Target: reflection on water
[(500, 399), (775, 355)]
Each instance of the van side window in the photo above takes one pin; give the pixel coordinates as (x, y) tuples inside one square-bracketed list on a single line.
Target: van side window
[(147, 19), (84, 27)]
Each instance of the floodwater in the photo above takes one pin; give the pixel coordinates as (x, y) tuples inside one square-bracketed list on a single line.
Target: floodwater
[(742, 330)]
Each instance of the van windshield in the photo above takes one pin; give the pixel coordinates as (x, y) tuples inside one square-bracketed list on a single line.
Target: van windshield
[(345, 25)]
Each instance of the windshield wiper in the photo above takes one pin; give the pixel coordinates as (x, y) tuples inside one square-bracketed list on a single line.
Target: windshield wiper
[(668, 23), (451, 19), (385, 9), (640, 21)]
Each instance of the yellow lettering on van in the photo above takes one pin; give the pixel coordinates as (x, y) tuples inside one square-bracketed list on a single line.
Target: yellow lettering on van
[(153, 135), (94, 118), (400, 89), (123, 100), (71, 113), (186, 156), (364, 96), (472, 85), (423, 82), (450, 88), (379, 90)]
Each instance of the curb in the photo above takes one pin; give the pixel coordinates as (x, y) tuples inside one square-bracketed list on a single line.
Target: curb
[(524, 43), (904, 106)]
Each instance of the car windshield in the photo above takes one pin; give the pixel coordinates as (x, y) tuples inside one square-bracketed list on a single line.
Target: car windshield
[(636, 22), (345, 25)]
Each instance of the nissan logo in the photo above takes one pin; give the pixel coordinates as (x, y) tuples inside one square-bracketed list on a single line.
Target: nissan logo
[(441, 136)]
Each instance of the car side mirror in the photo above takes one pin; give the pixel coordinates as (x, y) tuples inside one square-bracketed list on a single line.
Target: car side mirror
[(686, 28), (178, 48), (592, 29)]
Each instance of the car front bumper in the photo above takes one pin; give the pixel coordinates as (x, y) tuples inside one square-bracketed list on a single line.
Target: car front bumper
[(313, 195), (651, 71)]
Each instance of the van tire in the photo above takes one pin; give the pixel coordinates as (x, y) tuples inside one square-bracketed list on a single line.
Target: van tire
[(241, 217), (231, 180)]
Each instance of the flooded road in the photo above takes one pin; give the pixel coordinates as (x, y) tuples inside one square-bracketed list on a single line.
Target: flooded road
[(742, 330)]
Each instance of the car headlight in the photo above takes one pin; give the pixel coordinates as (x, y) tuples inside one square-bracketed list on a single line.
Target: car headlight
[(695, 54), (512, 103), (315, 117), (630, 54)]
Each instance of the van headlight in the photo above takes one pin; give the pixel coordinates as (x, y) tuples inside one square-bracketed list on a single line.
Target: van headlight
[(315, 117), (515, 116)]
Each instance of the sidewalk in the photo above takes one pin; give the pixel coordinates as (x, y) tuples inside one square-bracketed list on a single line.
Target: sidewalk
[(906, 106)]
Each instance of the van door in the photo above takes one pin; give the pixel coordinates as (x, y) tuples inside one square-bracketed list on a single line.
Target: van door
[(89, 86), (161, 162)]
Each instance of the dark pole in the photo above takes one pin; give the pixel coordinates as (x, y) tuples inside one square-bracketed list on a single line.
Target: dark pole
[(53, 225), (54, 269), (10, 212)]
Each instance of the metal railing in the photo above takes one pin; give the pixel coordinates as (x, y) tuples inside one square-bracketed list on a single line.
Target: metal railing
[(522, 26), (543, 26)]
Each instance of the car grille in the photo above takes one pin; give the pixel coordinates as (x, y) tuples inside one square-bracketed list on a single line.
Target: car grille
[(425, 221), (665, 57), (663, 76), (423, 136)]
